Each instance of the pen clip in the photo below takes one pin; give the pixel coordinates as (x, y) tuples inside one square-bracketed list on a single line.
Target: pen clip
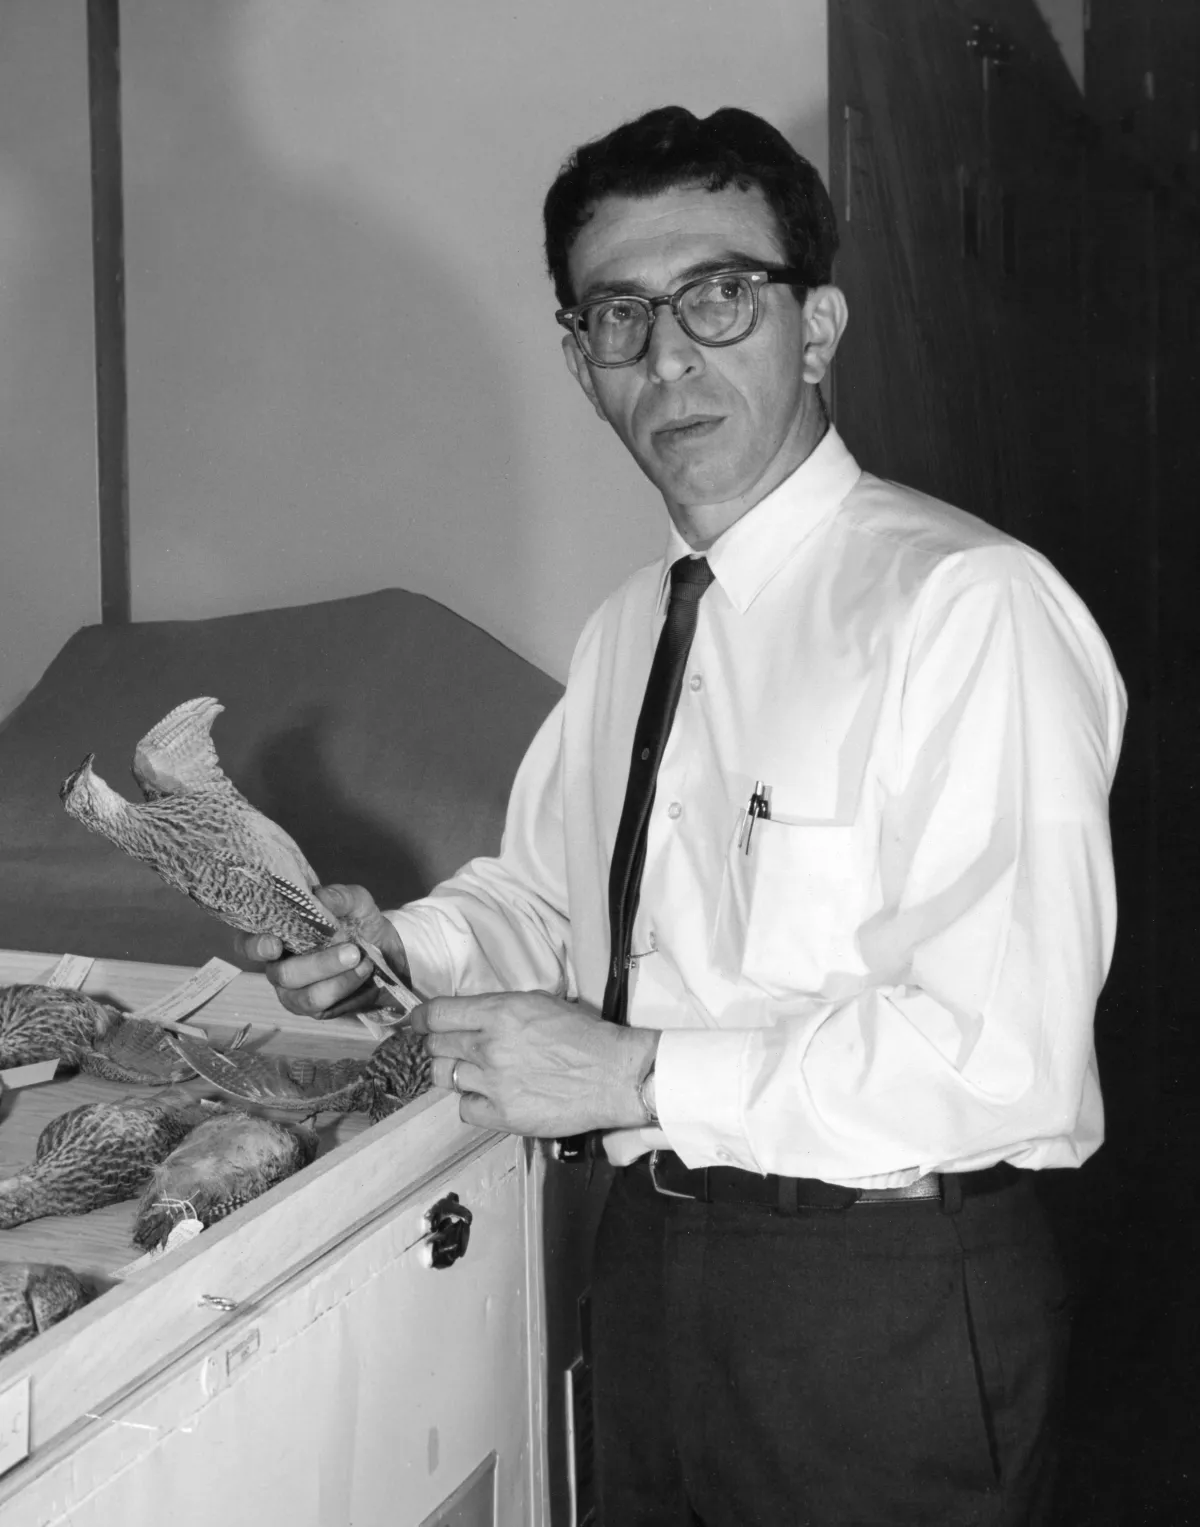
[(759, 806), (634, 956)]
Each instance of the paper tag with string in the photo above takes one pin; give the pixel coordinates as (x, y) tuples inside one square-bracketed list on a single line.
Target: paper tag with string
[(200, 987), (70, 971), (182, 1232), (37, 1071), (186, 1230)]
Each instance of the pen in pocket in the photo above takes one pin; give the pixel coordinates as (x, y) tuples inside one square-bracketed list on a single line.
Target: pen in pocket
[(759, 805)]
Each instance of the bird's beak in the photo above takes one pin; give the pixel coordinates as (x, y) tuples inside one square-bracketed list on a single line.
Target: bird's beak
[(67, 788)]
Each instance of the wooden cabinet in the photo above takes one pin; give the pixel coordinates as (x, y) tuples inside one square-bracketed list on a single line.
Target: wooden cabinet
[(303, 1361)]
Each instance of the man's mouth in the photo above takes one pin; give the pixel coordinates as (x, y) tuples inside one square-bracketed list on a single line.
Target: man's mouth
[(691, 427)]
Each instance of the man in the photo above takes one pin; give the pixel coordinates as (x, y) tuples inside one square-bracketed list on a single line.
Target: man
[(820, 826)]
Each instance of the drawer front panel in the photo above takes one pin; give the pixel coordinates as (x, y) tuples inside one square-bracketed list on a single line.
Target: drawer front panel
[(364, 1392)]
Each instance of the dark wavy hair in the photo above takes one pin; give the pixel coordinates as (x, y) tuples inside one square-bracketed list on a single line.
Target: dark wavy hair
[(670, 147)]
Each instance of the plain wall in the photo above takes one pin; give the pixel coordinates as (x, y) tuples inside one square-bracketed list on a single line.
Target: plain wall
[(344, 370), (48, 514)]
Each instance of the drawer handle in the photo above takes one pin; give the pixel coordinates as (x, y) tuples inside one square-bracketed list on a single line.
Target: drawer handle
[(449, 1224), (219, 1302)]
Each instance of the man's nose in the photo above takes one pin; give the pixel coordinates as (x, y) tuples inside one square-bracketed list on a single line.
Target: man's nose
[(673, 353)]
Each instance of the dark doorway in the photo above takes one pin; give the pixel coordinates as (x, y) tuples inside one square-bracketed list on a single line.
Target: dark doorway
[(1022, 261)]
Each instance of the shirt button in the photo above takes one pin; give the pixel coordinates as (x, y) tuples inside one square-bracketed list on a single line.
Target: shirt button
[(674, 810), (696, 681), (724, 1155)]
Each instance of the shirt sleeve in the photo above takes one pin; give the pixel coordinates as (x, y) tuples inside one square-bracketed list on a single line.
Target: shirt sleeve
[(500, 924), (970, 1038)]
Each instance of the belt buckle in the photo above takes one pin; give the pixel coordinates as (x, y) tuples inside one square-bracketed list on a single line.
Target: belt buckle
[(658, 1187)]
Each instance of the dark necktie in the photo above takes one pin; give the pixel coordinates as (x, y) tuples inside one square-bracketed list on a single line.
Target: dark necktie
[(690, 576)]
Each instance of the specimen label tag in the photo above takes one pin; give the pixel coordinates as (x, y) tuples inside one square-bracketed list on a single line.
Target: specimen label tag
[(186, 1230), (200, 987), (29, 1076), (375, 1029), (404, 999), (70, 972), (148, 1259)]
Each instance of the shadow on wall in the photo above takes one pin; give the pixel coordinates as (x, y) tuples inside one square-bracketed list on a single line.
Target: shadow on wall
[(316, 406)]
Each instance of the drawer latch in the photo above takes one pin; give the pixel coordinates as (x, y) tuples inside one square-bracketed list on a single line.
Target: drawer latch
[(449, 1224)]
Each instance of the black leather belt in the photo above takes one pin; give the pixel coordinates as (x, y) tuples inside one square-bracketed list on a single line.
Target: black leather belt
[(731, 1185)]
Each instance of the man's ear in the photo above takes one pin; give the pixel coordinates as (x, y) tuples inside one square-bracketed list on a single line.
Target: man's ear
[(578, 368), (825, 319)]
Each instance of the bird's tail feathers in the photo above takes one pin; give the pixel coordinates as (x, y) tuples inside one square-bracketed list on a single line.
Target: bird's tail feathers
[(178, 754)]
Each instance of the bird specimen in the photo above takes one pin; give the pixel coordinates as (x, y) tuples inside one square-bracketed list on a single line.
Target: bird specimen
[(202, 835), (399, 1070), (99, 1154), (224, 1163), (48, 1022), (41, 1022), (396, 1071), (33, 1297), (287, 1082)]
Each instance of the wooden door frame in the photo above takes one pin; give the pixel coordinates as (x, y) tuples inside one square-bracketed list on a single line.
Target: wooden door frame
[(108, 287)]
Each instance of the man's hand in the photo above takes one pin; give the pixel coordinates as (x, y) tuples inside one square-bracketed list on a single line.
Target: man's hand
[(535, 1065), (334, 981)]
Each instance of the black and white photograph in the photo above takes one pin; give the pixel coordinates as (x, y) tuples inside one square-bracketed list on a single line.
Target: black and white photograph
[(599, 681)]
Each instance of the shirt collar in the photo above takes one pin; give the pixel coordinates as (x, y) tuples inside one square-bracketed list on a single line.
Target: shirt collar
[(754, 548)]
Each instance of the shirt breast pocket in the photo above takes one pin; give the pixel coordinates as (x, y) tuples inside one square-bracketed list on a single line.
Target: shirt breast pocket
[(789, 910)]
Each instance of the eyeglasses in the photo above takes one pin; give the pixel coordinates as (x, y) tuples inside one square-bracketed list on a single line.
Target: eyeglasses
[(715, 310)]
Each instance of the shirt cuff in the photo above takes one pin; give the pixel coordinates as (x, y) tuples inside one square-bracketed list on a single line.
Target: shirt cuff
[(429, 961), (700, 1083)]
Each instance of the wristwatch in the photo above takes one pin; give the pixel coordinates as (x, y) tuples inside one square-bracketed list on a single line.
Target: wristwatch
[(645, 1092)]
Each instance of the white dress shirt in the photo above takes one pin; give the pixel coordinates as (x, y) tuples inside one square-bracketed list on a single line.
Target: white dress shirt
[(901, 974)]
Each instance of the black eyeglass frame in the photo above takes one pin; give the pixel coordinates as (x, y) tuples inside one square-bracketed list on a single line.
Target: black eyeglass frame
[(570, 317)]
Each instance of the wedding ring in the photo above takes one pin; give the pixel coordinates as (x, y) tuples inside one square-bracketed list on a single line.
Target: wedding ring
[(454, 1077)]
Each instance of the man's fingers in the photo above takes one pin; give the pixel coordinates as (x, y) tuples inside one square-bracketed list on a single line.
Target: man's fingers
[(340, 899), (349, 903), (313, 998), (317, 1000), (442, 1015), (457, 1074), (323, 965), (480, 1111), (262, 948), (360, 1001), (355, 909)]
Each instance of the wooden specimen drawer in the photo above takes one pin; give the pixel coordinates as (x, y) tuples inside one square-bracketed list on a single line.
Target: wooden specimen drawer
[(307, 1360)]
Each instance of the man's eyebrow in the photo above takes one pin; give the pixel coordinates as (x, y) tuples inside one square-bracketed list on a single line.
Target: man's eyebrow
[(733, 259)]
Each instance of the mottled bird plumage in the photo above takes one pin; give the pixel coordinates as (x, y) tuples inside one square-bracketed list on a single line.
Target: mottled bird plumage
[(33, 1297), (42, 1022), (53, 1022), (399, 1071), (200, 833), (307, 1086), (98, 1154), (396, 1071), (224, 1163)]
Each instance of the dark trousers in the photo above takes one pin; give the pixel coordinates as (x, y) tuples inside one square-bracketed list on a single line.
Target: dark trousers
[(864, 1367)]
